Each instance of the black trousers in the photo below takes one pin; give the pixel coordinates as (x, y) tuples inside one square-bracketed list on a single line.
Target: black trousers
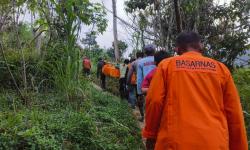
[(86, 71), (103, 81), (140, 104), (123, 89)]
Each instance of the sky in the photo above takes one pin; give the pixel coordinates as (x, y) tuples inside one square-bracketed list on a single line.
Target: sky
[(105, 40)]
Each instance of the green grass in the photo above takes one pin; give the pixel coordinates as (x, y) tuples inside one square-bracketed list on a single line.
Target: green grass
[(96, 121)]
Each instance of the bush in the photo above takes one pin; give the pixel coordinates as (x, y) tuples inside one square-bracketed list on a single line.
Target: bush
[(242, 79), (46, 130), (101, 121)]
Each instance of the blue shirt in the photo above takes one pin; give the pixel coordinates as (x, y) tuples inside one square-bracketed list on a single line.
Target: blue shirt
[(144, 66)]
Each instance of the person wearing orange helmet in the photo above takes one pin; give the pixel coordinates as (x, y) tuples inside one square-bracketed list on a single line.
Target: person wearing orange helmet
[(193, 104)]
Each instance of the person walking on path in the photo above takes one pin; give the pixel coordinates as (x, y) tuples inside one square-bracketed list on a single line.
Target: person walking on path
[(145, 65), (122, 81), (100, 74), (86, 63), (100, 64), (131, 80), (159, 56), (193, 104)]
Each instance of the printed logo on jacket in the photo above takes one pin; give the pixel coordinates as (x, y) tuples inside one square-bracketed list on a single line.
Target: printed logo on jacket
[(195, 65)]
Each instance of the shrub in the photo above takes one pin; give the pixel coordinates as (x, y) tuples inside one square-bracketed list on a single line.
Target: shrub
[(242, 79), (101, 121)]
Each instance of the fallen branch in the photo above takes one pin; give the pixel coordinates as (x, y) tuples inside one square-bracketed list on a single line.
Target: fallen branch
[(11, 74)]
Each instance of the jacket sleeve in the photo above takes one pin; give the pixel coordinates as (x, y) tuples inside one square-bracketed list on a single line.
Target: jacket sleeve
[(139, 78), (154, 104), (234, 115)]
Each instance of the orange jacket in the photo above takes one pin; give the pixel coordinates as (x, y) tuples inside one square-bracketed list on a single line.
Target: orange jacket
[(192, 104)]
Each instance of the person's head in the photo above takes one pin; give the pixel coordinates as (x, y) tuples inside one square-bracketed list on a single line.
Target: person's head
[(132, 60), (149, 49), (126, 61), (159, 56), (139, 54), (188, 41), (99, 59)]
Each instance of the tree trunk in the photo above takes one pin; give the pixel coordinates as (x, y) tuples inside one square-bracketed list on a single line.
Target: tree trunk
[(117, 55), (9, 70), (178, 16), (169, 32), (142, 40), (38, 43)]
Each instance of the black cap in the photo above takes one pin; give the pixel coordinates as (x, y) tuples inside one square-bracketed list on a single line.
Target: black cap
[(149, 49)]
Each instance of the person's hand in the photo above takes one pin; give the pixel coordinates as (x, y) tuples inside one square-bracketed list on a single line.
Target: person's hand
[(144, 90), (150, 144)]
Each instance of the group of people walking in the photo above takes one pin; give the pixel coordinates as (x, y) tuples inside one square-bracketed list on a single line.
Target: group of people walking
[(189, 101)]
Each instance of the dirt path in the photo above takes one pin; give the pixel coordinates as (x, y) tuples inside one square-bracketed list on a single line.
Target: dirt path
[(136, 111), (97, 87)]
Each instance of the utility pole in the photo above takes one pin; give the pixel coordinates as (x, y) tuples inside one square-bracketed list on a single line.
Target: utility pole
[(117, 55), (178, 16)]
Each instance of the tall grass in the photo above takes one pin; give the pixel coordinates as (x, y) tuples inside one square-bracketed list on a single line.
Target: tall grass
[(66, 78)]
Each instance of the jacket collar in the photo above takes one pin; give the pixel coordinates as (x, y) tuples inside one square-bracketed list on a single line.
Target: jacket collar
[(192, 53)]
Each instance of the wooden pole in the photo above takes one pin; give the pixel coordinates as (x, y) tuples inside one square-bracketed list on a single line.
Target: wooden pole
[(117, 55)]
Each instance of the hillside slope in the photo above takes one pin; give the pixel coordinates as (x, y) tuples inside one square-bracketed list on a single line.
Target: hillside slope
[(97, 121)]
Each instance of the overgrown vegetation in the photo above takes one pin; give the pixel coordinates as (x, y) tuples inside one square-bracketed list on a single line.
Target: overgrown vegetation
[(242, 79), (45, 103), (224, 27), (97, 121)]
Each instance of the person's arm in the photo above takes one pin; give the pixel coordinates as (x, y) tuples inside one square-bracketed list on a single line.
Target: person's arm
[(126, 74), (145, 84), (234, 115), (154, 104), (144, 90), (130, 73), (139, 78)]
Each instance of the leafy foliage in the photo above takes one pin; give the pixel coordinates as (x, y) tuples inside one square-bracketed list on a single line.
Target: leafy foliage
[(132, 5), (225, 28), (242, 79), (101, 121), (122, 48), (90, 39)]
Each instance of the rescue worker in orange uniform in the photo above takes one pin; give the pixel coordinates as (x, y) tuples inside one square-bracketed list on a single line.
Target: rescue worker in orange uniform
[(193, 104)]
